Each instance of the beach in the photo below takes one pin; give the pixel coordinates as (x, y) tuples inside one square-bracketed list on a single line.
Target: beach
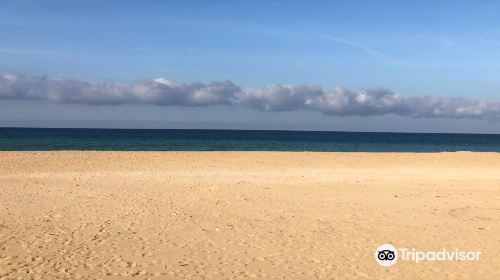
[(233, 215)]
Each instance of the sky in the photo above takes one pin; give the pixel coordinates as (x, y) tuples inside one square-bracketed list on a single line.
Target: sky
[(413, 66)]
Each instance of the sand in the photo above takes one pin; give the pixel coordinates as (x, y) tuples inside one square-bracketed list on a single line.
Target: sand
[(227, 215)]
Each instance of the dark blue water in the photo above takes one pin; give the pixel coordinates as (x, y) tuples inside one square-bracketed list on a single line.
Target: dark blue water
[(22, 139)]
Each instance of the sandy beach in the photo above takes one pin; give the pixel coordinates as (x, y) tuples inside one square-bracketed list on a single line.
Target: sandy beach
[(228, 215)]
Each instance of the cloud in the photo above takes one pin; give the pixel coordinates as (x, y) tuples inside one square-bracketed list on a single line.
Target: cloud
[(357, 46), (272, 98), (157, 91)]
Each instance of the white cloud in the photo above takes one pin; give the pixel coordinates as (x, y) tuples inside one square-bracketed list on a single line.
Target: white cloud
[(163, 92)]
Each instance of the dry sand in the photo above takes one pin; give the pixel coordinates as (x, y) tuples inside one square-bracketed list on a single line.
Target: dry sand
[(226, 215)]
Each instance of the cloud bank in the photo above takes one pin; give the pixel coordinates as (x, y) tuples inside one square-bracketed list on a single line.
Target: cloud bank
[(273, 98)]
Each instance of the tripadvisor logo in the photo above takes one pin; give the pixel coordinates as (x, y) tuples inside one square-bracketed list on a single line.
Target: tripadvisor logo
[(387, 255)]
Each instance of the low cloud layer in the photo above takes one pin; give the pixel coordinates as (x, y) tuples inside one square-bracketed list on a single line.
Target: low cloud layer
[(163, 92)]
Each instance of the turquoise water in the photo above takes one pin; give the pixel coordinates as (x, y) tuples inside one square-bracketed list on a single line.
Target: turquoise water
[(39, 139)]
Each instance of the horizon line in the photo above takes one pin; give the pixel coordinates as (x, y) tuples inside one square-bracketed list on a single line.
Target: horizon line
[(236, 129)]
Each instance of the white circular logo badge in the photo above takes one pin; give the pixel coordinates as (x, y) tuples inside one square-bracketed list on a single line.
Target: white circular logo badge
[(386, 255)]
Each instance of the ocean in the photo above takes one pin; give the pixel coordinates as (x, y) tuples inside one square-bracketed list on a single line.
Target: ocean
[(43, 139)]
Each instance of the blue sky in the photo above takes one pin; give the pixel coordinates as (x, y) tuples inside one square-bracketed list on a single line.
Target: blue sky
[(414, 48)]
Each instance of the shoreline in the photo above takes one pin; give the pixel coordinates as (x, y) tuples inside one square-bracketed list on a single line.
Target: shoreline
[(242, 151)]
